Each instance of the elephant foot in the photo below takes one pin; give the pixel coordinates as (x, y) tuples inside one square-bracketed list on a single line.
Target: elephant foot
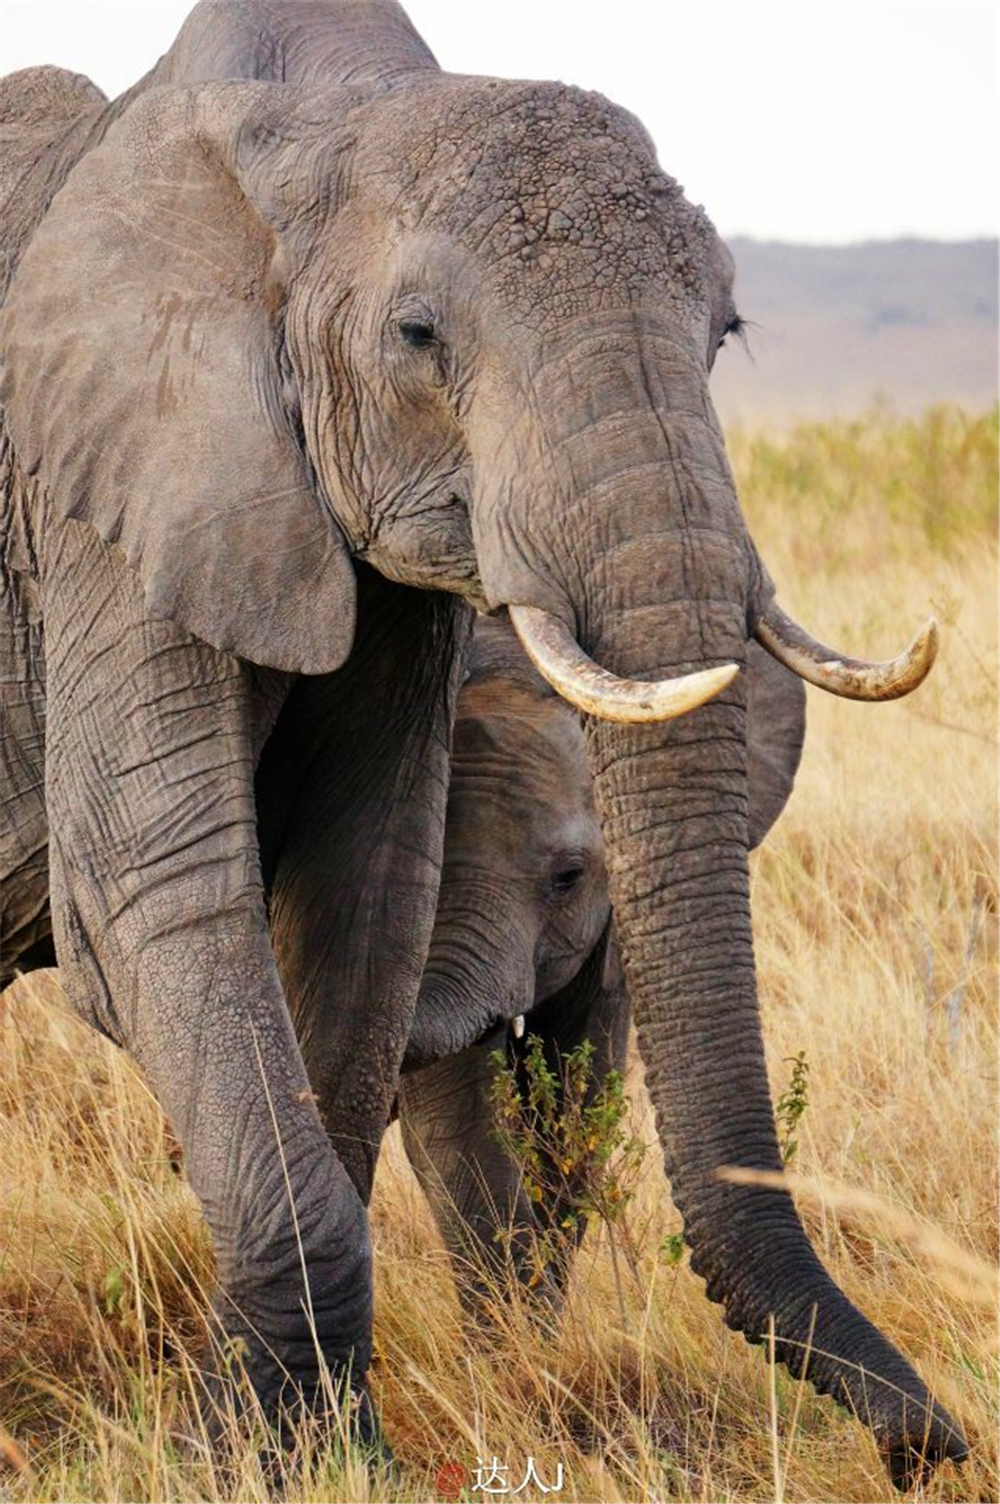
[(300, 1435), (335, 1413), (346, 1423), (488, 1300)]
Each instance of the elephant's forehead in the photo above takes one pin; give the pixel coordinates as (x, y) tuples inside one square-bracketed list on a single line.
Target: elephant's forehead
[(534, 743), (551, 184)]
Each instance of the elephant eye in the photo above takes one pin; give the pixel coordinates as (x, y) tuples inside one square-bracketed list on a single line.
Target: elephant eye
[(736, 326), (417, 333), (563, 882)]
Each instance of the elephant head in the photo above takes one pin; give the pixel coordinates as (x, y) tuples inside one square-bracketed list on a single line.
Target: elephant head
[(463, 329), (524, 895)]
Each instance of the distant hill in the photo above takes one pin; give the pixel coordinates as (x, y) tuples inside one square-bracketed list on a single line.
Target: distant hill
[(909, 321)]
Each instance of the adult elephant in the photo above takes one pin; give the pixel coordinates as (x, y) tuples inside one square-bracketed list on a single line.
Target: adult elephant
[(278, 350), (522, 946)]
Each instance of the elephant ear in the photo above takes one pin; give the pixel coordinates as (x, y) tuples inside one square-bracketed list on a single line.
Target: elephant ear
[(145, 381), (776, 728)]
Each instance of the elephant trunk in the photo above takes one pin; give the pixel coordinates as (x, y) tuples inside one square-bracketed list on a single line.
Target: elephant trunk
[(674, 810), (663, 580)]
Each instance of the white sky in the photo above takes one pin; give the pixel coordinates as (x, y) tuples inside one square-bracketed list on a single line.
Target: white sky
[(809, 120)]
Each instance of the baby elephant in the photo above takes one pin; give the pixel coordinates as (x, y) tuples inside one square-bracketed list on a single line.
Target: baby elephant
[(523, 940)]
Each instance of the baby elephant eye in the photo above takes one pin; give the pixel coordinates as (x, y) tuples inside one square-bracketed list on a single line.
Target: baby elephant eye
[(565, 880), (417, 333)]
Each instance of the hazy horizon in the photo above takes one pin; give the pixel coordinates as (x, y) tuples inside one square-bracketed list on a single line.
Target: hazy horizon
[(850, 245), (911, 322)]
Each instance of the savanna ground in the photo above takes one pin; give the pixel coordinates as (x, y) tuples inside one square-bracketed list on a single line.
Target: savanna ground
[(875, 910)]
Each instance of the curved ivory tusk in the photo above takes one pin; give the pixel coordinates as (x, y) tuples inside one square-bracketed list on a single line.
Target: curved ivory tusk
[(559, 658), (853, 678)]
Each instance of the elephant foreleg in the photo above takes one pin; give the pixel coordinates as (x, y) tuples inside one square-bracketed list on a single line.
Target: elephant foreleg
[(25, 922), (162, 936), (473, 1186)]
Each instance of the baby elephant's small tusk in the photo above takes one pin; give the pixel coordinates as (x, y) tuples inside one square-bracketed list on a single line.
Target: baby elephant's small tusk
[(853, 678), (559, 658), (518, 1026)]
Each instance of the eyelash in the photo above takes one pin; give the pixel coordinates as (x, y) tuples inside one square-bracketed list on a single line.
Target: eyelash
[(736, 327)]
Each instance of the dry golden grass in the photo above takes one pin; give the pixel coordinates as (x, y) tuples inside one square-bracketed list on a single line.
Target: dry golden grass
[(876, 919)]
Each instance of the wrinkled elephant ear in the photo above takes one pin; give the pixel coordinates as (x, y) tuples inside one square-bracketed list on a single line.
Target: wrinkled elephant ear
[(776, 728), (145, 386)]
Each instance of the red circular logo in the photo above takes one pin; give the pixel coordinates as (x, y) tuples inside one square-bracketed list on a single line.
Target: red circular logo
[(451, 1479)]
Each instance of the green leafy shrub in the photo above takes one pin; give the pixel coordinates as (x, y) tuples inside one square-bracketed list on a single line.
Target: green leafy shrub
[(791, 1105), (571, 1136)]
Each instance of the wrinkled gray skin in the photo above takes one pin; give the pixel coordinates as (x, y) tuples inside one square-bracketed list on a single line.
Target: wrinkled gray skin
[(522, 927), (273, 344)]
